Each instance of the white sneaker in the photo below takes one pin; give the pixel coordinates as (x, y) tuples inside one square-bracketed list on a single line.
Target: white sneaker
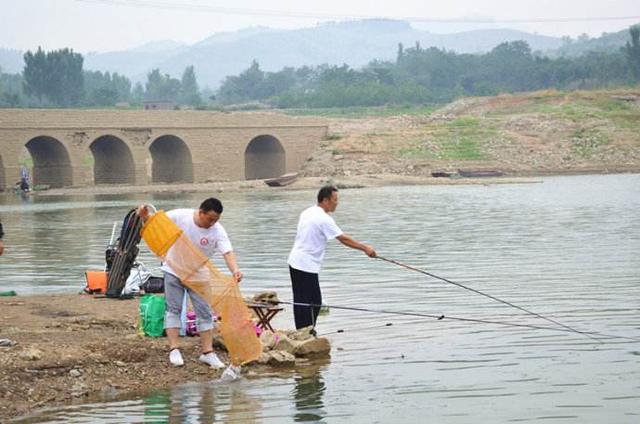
[(231, 373), (212, 360), (175, 357)]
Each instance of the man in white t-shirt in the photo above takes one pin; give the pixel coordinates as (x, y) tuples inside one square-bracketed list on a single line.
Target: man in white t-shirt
[(315, 228), (201, 226)]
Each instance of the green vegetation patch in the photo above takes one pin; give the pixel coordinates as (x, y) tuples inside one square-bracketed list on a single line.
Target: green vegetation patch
[(612, 105), (88, 160), (627, 121), (586, 142), (460, 139), (362, 111), (27, 162), (576, 111)]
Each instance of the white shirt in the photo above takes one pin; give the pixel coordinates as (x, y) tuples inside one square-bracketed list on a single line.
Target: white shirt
[(208, 240), (315, 227)]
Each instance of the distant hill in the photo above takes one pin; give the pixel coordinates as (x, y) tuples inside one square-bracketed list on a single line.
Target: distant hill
[(606, 42), (355, 43), (137, 62)]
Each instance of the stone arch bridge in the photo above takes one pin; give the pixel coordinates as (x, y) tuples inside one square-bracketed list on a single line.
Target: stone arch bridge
[(86, 147)]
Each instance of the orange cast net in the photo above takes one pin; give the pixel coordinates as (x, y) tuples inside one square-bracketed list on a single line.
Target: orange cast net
[(195, 271)]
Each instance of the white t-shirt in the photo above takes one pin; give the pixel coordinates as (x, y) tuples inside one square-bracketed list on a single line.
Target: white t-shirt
[(208, 240), (315, 227)]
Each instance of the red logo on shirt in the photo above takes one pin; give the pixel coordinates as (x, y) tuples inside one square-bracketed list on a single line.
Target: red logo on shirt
[(204, 241)]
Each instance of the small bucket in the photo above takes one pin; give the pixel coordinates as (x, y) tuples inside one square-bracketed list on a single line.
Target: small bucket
[(96, 282)]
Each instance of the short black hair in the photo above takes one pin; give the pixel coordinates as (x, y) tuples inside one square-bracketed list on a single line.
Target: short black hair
[(211, 204), (326, 192)]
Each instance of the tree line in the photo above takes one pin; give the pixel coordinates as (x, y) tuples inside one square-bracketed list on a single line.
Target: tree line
[(57, 79), (433, 75), (416, 76)]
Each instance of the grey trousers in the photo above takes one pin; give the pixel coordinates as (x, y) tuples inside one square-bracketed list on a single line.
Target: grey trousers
[(173, 294)]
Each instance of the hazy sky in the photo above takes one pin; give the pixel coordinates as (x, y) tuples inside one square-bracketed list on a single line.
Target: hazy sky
[(104, 25)]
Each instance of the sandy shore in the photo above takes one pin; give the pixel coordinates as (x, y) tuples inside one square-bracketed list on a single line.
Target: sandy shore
[(73, 348), (302, 183)]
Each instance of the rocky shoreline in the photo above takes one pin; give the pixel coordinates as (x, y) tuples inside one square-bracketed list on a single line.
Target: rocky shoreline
[(65, 349)]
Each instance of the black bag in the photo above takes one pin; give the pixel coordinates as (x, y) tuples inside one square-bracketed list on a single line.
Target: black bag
[(153, 285)]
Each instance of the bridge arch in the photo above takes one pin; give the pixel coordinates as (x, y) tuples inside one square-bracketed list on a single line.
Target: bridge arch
[(264, 157), (113, 161), (51, 162), (172, 160)]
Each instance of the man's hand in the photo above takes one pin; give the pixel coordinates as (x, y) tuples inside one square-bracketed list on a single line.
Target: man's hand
[(369, 251), (1, 247), (237, 275), (143, 212)]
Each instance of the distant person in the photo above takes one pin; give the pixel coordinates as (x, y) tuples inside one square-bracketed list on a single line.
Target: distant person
[(24, 179), (315, 228), (201, 226), (1, 242)]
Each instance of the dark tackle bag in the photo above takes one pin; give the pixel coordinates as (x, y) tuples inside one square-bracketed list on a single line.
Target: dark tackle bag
[(121, 257), (153, 285)]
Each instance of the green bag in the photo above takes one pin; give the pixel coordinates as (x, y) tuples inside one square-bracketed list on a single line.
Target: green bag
[(152, 310)]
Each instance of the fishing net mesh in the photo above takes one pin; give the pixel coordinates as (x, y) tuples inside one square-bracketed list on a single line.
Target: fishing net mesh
[(196, 271)]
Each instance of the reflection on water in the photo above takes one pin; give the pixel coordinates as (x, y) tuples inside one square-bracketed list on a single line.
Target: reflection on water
[(566, 248), (308, 394), (188, 403)]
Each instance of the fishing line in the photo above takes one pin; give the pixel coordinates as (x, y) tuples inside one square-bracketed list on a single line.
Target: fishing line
[(485, 294), (442, 317)]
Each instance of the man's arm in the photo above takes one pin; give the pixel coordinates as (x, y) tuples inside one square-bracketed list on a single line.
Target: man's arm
[(230, 259), (349, 242)]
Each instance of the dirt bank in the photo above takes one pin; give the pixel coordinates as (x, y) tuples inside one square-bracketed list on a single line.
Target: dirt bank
[(530, 134), (75, 348)]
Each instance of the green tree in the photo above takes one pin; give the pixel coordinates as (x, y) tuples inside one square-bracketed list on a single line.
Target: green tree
[(246, 86), (105, 89), (137, 94), (56, 76), (161, 87), (36, 74), (275, 83), (632, 50), (189, 92), (11, 90)]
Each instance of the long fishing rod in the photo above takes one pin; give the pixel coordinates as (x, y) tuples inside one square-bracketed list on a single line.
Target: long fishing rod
[(442, 316), (484, 294), (131, 228)]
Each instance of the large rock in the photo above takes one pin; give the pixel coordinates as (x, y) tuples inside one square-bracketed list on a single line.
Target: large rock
[(277, 358), (301, 334), (314, 347), (268, 340), (286, 344)]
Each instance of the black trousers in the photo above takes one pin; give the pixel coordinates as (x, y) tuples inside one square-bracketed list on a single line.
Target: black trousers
[(306, 289)]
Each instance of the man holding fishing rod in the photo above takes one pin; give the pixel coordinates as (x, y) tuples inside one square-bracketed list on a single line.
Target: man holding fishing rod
[(315, 228)]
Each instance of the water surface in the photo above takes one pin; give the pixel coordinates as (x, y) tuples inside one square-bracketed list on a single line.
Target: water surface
[(566, 248)]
